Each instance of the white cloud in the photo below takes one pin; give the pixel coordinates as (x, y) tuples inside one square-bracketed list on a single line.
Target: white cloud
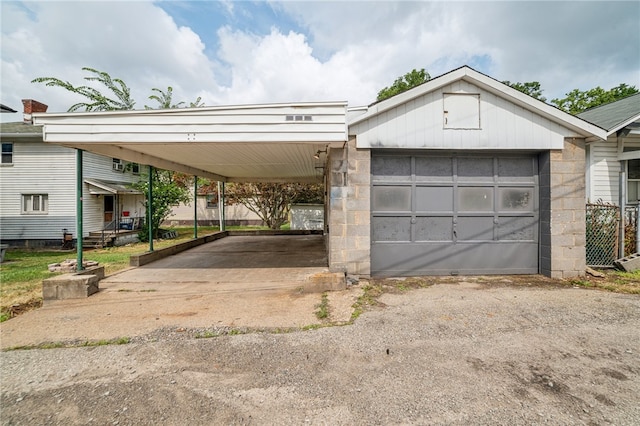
[(349, 51), (135, 41)]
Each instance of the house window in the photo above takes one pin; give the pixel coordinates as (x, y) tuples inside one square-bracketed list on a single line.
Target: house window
[(135, 168), (118, 165), (633, 181), (212, 201), (7, 153), (35, 203)]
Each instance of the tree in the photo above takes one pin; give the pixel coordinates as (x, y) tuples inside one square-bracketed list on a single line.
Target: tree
[(272, 201), (168, 191), (402, 84), (97, 100), (531, 88), (165, 100), (578, 101), (169, 187)]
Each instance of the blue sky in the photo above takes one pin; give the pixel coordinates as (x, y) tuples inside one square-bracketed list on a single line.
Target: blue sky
[(235, 52)]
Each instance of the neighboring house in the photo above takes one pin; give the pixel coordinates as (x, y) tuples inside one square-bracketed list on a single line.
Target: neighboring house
[(209, 213), (620, 152), (460, 175), (38, 188)]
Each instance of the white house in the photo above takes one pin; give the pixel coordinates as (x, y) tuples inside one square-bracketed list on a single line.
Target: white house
[(38, 188), (208, 213), (619, 153), (460, 175)]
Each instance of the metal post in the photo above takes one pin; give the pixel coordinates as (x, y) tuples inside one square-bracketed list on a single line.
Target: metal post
[(221, 205), (638, 228), (623, 203), (79, 230), (150, 208), (195, 207)]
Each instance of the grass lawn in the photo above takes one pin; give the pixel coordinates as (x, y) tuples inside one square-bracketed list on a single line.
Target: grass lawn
[(22, 272)]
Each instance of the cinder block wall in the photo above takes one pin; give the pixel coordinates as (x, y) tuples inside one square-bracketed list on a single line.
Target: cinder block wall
[(562, 211), (349, 216)]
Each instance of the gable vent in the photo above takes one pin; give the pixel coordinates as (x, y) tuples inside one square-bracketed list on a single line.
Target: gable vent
[(299, 118)]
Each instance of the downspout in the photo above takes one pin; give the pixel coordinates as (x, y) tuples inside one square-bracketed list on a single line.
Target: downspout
[(79, 231), (150, 208), (221, 205), (195, 207), (622, 202)]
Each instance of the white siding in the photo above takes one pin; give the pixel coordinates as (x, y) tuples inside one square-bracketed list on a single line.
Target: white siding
[(37, 169), (100, 167), (604, 170), (257, 123), (40, 168), (184, 212), (419, 124)]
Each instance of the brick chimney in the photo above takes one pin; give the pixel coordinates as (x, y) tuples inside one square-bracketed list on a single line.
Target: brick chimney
[(31, 106)]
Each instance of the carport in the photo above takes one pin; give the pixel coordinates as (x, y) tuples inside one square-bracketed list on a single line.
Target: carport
[(244, 143)]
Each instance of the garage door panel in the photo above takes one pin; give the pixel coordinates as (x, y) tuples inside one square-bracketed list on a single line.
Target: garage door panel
[(475, 169), (390, 228), (434, 198), (516, 199), (516, 169), (434, 169), (391, 198), (475, 228), (442, 214), (435, 259), (475, 199), (391, 168), (517, 228), (434, 229)]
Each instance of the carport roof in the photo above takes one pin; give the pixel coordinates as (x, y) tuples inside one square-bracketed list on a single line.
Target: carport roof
[(267, 142)]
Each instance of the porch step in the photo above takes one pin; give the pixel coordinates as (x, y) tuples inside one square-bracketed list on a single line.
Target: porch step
[(97, 242)]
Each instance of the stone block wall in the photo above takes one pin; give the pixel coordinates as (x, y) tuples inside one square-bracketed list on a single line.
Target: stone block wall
[(349, 216), (562, 211)]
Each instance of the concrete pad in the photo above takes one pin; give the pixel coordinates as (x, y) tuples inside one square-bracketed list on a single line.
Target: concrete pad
[(253, 281), (75, 285)]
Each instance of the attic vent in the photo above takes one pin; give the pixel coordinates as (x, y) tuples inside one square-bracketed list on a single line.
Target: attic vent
[(299, 118)]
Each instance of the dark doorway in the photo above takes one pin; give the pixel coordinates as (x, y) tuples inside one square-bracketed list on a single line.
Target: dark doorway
[(108, 208)]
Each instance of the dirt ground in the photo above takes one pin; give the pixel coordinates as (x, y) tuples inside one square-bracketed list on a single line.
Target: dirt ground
[(456, 352)]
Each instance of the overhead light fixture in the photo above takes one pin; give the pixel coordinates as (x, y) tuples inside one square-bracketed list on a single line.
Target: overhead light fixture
[(317, 154)]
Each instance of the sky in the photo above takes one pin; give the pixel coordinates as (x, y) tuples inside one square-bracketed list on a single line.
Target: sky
[(240, 52)]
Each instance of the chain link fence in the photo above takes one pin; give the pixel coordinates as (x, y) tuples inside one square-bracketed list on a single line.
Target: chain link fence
[(603, 233)]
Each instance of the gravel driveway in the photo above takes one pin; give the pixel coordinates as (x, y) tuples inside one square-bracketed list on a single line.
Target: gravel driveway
[(461, 353)]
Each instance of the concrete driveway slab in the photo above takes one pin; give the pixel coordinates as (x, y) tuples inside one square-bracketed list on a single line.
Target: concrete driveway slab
[(237, 281)]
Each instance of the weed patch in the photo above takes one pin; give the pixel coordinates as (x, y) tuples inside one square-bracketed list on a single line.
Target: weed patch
[(368, 299), (206, 334), (84, 344), (323, 307)]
